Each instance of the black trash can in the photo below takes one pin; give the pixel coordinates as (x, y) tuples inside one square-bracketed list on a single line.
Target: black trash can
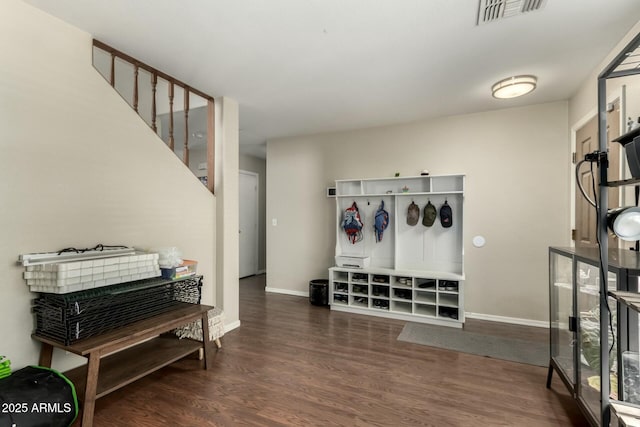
[(319, 292)]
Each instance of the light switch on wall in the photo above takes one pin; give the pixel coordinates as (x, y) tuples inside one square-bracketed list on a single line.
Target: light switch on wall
[(274, 221)]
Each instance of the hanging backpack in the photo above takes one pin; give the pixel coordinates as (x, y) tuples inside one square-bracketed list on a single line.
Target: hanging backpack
[(352, 223), (446, 215), (381, 221)]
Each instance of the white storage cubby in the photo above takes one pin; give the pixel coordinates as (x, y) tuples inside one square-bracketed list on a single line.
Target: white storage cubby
[(353, 187), (424, 297), (398, 294), (415, 272)]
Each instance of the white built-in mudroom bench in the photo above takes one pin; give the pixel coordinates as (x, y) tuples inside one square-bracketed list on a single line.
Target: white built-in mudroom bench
[(410, 270)]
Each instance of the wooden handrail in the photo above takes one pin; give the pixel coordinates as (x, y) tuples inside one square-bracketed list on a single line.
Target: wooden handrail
[(172, 82), (131, 60)]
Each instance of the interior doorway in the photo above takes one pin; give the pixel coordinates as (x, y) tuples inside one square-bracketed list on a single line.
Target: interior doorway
[(248, 222), (584, 233)]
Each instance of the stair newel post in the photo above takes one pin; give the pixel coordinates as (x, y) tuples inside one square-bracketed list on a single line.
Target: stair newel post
[(154, 84), (112, 76), (185, 157), (210, 144), (136, 71), (171, 141)]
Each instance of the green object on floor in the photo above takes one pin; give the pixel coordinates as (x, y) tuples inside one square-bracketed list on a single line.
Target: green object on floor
[(5, 367)]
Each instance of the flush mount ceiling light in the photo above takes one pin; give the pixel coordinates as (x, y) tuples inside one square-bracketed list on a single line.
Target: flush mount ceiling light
[(512, 87)]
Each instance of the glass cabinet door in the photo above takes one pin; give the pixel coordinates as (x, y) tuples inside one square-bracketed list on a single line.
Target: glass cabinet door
[(630, 349), (588, 284), (561, 305)]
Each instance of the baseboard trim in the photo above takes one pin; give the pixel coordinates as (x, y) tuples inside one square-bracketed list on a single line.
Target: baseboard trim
[(228, 327), (504, 319), (261, 272), (287, 292)]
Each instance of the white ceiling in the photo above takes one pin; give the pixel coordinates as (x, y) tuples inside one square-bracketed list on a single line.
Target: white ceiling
[(310, 66)]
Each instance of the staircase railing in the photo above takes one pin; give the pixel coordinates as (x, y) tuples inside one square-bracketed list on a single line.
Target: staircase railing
[(170, 107)]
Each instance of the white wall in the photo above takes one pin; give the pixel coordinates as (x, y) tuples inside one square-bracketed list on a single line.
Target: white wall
[(79, 167), (517, 196)]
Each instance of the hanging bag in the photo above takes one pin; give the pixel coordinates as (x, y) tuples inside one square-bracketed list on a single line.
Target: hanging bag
[(352, 223), (381, 221), (446, 215)]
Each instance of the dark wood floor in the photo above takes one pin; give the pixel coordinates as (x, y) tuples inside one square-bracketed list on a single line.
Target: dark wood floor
[(294, 364)]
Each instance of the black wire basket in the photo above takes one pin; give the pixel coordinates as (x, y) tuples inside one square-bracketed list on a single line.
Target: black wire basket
[(67, 318)]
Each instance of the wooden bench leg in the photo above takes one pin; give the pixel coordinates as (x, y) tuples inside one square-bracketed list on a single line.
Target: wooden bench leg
[(46, 354), (89, 403), (218, 343), (206, 342)]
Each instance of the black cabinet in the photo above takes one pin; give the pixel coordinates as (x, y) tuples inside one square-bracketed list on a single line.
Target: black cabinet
[(575, 333)]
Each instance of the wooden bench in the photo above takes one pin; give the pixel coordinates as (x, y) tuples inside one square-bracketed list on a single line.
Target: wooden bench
[(119, 357)]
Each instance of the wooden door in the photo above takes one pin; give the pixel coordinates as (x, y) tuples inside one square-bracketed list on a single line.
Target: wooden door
[(587, 142)]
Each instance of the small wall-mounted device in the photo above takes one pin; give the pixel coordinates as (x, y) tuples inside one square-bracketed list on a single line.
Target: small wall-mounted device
[(331, 191)]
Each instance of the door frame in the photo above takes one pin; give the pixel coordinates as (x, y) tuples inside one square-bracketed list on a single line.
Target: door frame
[(256, 254), (617, 95)]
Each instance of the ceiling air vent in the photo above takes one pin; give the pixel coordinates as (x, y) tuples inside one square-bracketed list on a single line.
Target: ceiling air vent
[(531, 5), (494, 10)]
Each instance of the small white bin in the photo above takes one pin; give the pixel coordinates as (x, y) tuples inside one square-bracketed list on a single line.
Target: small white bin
[(352, 261)]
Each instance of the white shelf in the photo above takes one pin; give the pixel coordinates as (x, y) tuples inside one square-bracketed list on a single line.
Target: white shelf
[(429, 193), (627, 413), (424, 297), (445, 300), (415, 185), (401, 306), (630, 299), (348, 187), (425, 310), (434, 304), (403, 273)]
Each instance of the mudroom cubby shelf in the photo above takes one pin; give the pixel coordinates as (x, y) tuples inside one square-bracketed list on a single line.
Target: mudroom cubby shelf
[(415, 271), (445, 184), (400, 295)]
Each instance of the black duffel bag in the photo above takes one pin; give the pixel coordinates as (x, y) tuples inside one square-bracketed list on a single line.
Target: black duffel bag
[(37, 397)]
